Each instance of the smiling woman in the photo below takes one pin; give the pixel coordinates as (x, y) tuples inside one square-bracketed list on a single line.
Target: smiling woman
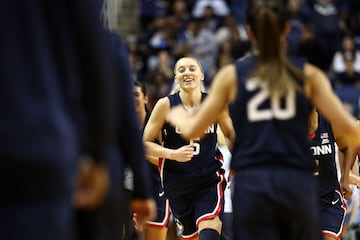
[(189, 165)]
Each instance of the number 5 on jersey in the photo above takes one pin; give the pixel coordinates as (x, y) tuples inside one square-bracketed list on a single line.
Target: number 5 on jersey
[(195, 145)]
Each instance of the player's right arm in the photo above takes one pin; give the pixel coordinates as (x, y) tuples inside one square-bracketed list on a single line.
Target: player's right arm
[(154, 126)]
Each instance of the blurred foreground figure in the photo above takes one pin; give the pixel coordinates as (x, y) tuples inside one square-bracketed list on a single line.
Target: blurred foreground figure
[(56, 105)]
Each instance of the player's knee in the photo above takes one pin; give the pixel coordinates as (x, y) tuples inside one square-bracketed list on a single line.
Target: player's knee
[(214, 223)]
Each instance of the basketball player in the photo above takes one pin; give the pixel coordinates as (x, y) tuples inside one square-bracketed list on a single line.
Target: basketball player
[(192, 176), (323, 147)]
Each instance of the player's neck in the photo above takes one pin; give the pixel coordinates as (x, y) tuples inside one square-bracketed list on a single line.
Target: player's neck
[(190, 99)]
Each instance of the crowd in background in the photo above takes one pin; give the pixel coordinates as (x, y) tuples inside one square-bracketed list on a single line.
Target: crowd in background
[(325, 32)]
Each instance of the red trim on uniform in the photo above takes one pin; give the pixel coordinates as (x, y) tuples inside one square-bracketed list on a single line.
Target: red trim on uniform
[(330, 234), (338, 235), (219, 156), (194, 236), (165, 221), (311, 136), (218, 207)]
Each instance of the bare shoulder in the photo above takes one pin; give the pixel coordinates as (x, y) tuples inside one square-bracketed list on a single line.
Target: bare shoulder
[(157, 119), (225, 82), (163, 104), (160, 110)]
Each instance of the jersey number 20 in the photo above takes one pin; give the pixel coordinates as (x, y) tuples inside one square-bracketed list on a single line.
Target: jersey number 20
[(275, 110)]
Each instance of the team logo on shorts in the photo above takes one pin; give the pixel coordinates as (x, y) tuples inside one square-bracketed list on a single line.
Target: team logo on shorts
[(179, 227)]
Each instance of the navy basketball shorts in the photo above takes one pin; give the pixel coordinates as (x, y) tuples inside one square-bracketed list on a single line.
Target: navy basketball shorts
[(202, 203), (163, 211), (162, 204), (276, 204), (333, 214)]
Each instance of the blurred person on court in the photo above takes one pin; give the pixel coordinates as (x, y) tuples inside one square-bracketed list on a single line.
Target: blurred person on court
[(270, 99), (191, 171), (127, 151), (57, 83), (52, 79)]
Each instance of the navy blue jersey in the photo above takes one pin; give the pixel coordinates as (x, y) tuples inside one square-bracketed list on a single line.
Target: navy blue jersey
[(270, 131), (196, 171), (323, 149)]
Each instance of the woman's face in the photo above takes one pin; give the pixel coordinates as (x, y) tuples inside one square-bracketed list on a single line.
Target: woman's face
[(188, 73), (140, 99)]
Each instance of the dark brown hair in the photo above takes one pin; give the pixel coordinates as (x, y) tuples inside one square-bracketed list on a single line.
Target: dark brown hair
[(141, 85), (143, 88), (267, 20)]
